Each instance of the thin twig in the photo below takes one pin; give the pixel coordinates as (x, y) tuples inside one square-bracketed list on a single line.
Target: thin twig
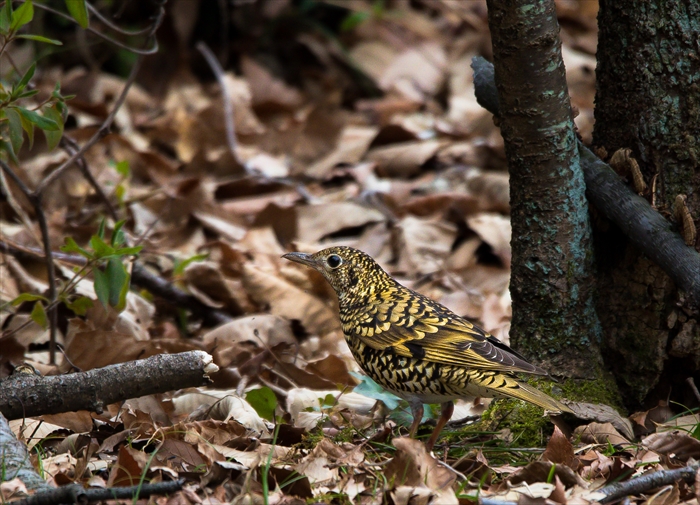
[(36, 201), (141, 52), (71, 147), (228, 104), (101, 132), (693, 387), (114, 27)]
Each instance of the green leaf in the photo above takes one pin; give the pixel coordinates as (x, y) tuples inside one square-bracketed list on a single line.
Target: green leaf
[(71, 246), (101, 286), (371, 389), (27, 93), (78, 10), (118, 237), (38, 119), (181, 265), (6, 148), (24, 80), (100, 247), (28, 127), (27, 297), (22, 15), (264, 402), (38, 315), (123, 168), (101, 229), (80, 305), (53, 137), (128, 251), (352, 20), (6, 18), (118, 279), (15, 123), (39, 38)]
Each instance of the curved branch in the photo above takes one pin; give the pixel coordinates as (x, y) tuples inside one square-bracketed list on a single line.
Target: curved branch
[(142, 52), (228, 103), (647, 229)]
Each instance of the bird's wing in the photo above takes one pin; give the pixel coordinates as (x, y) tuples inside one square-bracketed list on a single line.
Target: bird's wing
[(415, 326)]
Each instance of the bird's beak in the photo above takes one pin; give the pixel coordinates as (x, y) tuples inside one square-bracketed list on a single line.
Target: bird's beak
[(303, 258)]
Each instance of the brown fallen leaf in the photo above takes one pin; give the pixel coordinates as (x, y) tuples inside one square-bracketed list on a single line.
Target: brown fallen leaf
[(286, 300), (425, 244), (414, 467), (317, 221), (674, 444), (351, 146), (560, 450), (405, 159), (600, 433)]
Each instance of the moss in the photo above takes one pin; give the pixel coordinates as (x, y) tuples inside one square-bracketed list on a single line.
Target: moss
[(526, 422), (603, 390)]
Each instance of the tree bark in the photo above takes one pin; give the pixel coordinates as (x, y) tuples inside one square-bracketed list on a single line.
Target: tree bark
[(554, 317), (27, 395), (648, 100)]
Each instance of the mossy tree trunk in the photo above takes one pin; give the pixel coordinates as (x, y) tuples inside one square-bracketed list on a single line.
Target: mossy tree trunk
[(648, 100), (554, 318)]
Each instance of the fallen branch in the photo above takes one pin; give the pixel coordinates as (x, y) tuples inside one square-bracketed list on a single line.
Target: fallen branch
[(28, 395), (647, 229), (76, 493), (646, 483)]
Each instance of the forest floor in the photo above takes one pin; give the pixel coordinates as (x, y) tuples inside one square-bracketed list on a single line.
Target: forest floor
[(403, 164)]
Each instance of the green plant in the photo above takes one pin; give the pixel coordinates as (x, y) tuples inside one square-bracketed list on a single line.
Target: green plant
[(105, 259), (17, 114), (265, 470)]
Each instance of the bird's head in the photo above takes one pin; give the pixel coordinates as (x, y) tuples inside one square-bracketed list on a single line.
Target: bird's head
[(348, 270)]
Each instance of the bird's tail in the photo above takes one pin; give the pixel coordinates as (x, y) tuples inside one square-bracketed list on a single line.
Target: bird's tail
[(502, 385)]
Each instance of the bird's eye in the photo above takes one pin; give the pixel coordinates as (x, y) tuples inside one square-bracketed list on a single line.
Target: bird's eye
[(334, 261)]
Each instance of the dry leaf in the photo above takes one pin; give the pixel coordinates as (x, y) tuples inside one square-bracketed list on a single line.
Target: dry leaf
[(600, 433), (286, 300), (405, 159), (318, 221), (559, 450)]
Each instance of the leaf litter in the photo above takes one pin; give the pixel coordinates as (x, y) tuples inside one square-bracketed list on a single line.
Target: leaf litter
[(417, 178)]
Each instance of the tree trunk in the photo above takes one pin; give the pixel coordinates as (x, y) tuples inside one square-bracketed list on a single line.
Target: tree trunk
[(648, 100), (554, 319)]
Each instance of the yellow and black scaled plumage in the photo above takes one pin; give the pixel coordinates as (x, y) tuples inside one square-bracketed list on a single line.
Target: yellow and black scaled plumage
[(415, 347)]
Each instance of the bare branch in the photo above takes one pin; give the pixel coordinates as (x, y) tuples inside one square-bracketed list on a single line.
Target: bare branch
[(75, 493), (36, 201), (71, 147), (228, 104), (646, 483), (28, 395), (142, 52)]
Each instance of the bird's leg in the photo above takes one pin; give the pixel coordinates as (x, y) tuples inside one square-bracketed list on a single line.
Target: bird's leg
[(445, 414), (417, 411)]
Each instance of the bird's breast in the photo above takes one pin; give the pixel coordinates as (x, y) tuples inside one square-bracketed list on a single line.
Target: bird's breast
[(406, 377)]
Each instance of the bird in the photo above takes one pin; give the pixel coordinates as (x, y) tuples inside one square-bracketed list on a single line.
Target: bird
[(415, 347)]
